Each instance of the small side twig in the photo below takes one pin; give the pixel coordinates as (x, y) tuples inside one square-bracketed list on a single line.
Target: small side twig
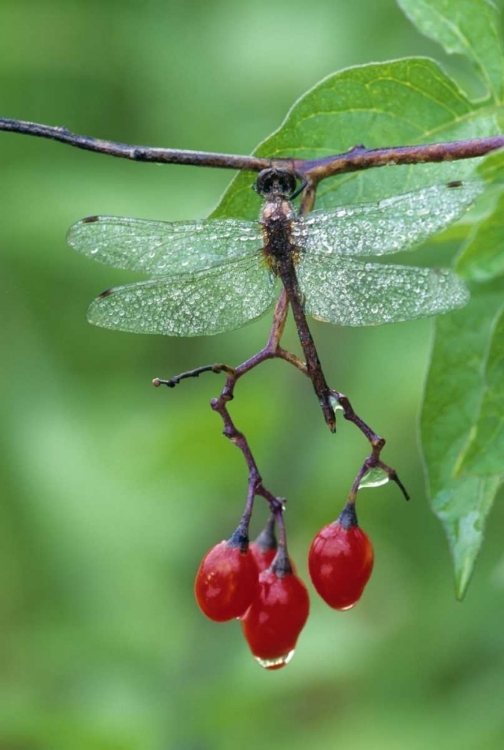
[(175, 380), (377, 443), (272, 350)]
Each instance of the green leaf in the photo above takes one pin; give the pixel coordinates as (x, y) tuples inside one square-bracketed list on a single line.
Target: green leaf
[(482, 258), (456, 399), (485, 453), (462, 507), (491, 168), (466, 27), (402, 102)]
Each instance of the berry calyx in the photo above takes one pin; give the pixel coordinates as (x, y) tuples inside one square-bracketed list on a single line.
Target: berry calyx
[(227, 579), (340, 561), (276, 616)]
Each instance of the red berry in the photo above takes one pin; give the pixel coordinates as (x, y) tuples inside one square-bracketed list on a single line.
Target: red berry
[(276, 617), (263, 557), (226, 582), (340, 561)]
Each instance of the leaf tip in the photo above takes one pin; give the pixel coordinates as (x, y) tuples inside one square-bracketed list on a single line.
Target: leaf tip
[(463, 574)]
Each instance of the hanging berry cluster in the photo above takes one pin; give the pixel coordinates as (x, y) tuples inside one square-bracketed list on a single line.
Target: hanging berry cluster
[(257, 582)]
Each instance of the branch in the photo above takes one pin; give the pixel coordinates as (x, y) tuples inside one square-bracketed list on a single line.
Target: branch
[(377, 444), (356, 159), (135, 153), (359, 157)]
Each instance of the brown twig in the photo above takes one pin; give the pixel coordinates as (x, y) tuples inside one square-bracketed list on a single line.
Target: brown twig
[(376, 442), (313, 170)]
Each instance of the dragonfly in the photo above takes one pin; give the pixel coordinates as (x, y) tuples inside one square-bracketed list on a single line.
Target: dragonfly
[(216, 275)]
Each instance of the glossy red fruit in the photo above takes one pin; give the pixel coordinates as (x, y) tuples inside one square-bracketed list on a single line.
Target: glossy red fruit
[(276, 617), (226, 582), (263, 557), (340, 561)]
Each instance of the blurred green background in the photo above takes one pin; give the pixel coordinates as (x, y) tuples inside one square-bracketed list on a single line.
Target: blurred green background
[(112, 491)]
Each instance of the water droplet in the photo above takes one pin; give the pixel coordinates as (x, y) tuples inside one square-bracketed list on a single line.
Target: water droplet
[(374, 478), (278, 663), (335, 403)]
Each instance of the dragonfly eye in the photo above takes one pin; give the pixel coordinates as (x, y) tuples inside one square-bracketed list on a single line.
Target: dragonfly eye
[(275, 182)]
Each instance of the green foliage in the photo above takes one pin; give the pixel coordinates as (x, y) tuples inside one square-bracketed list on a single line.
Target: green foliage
[(463, 406), (458, 404), (482, 259), (484, 453), (465, 27)]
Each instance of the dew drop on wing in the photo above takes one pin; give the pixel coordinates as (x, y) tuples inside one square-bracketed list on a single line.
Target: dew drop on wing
[(278, 663)]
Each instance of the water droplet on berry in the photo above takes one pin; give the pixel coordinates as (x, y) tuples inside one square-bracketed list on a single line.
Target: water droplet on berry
[(278, 663), (374, 478)]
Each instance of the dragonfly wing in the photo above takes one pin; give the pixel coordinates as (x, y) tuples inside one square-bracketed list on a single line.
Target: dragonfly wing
[(352, 293), (397, 223), (159, 248), (198, 304)]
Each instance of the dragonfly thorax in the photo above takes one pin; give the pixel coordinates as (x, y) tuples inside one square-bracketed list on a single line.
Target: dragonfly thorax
[(275, 186), (276, 219)]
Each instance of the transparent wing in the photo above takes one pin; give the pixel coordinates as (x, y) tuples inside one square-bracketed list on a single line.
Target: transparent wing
[(351, 293), (397, 223), (159, 248), (196, 304)]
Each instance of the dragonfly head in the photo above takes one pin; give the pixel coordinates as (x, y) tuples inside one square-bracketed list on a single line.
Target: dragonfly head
[(275, 182)]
